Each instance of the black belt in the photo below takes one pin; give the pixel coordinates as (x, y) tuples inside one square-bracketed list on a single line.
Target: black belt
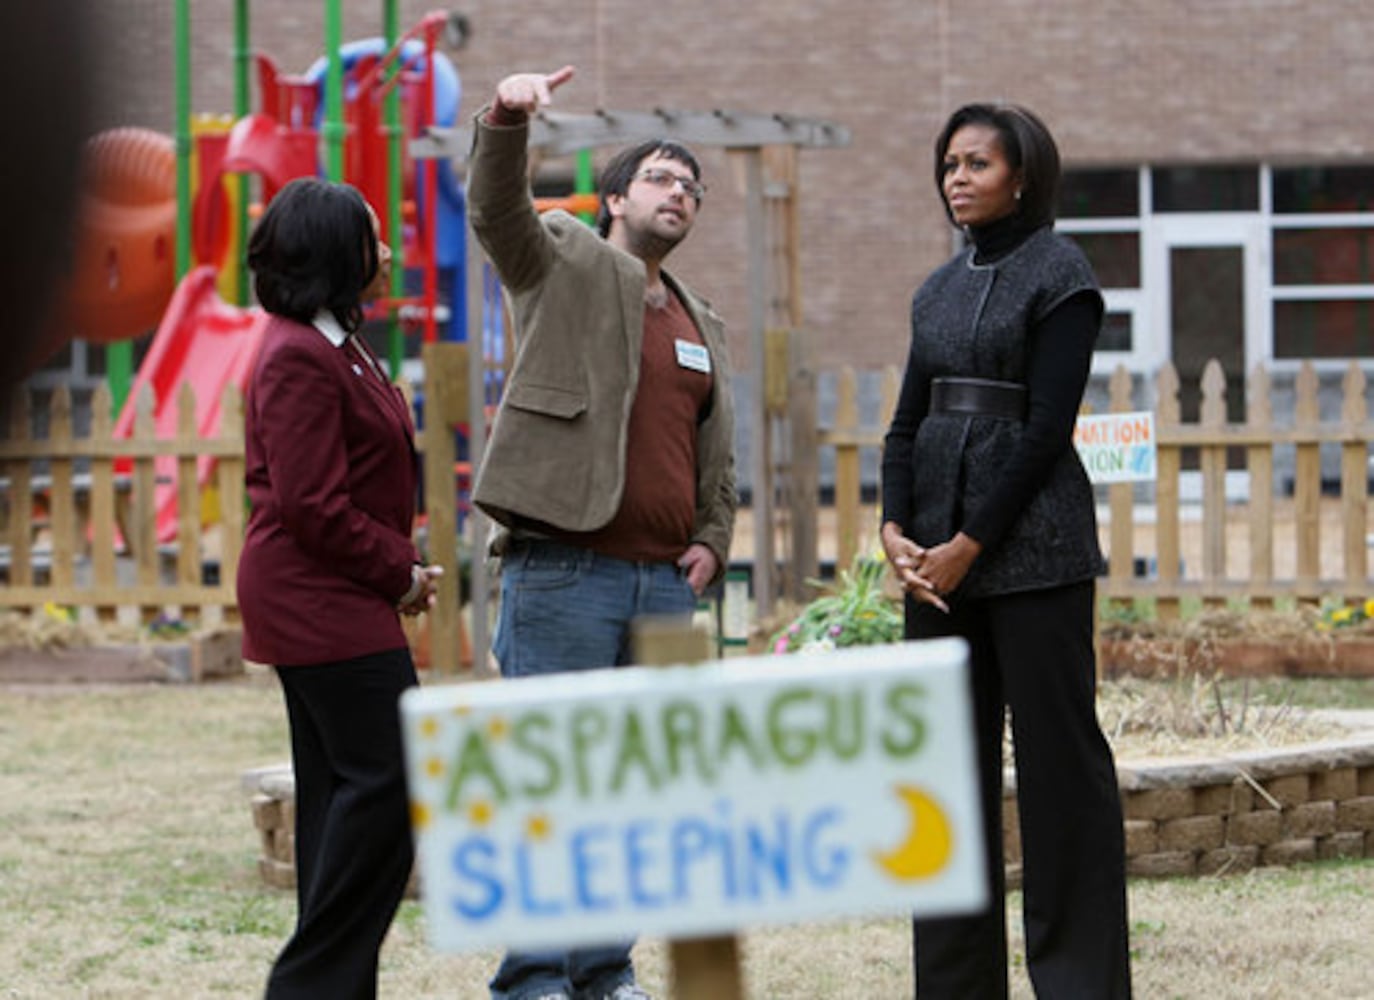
[(982, 397)]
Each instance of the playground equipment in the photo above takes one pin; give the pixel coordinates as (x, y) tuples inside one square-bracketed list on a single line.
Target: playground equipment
[(206, 342), (202, 342), (123, 273)]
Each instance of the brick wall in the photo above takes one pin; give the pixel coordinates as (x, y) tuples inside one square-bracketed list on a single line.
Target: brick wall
[(1118, 82)]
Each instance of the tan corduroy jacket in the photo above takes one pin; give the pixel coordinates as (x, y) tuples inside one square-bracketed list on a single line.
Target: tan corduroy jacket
[(557, 448)]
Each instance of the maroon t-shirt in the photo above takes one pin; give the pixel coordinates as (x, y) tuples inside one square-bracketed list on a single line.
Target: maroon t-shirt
[(658, 507)]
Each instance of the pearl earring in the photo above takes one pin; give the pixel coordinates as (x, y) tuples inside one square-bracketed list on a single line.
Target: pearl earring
[(1018, 194)]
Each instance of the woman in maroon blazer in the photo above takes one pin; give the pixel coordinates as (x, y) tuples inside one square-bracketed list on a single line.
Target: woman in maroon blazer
[(327, 565)]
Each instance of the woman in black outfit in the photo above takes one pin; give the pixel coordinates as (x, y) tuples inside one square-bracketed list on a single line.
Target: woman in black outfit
[(327, 566), (988, 521)]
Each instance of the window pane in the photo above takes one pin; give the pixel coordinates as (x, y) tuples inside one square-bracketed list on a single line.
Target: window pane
[(1323, 256), (1206, 189), (1339, 329), (1115, 257), (1096, 194), (1324, 189), (1116, 332)]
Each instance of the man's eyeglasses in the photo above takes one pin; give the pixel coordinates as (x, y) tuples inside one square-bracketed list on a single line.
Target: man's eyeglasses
[(665, 179)]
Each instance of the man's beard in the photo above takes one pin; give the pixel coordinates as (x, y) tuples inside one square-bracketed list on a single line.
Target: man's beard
[(646, 244)]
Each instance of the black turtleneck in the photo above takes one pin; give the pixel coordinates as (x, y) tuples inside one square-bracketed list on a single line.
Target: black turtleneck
[(998, 238), (1059, 356)]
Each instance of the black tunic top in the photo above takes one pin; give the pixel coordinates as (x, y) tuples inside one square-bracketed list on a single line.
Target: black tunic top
[(1020, 307)]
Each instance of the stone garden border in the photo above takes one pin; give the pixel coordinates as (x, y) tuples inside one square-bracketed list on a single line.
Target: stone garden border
[(1195, 816)]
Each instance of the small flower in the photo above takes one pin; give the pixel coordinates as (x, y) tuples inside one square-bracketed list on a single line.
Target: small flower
[(1369, 608), (781, 645), (1342, 616), (835, 630)]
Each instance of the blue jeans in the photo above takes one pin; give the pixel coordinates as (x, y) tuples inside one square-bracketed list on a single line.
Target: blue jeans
[(567, 608)]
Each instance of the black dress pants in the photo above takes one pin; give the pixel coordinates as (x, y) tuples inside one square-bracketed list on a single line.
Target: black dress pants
[(1032, 653), (353, 842)]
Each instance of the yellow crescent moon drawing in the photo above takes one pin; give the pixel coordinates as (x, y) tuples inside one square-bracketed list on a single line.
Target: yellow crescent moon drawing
[(928, 843)]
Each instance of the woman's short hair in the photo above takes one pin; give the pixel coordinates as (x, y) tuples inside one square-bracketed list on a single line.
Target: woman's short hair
[(1028, 147), (314, 248), (621, 170)]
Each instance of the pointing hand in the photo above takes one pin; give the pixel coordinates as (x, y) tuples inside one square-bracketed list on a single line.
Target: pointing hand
[(529, 92)]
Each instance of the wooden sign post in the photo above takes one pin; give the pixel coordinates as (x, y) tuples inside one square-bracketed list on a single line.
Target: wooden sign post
[(688, 802), (701, 968)]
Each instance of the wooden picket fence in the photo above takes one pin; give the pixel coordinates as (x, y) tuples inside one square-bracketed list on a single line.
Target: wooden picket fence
[(1269, 526), (80, 512), (1266, 525), (79, 532)]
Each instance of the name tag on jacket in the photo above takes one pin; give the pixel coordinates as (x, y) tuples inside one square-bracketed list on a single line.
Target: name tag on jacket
[(693, 356)]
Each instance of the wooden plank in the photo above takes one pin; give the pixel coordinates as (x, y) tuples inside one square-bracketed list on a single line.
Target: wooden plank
[(701, 968), (101, 512), (706, 969), (484, 382), (1355, 485), (21, 493), (1219, 590), (188, 489), (761, 471), (847, 485), (557, 133), (135, 595), (124, 447), (231, 492), (804, 484), (446, 381), (1213, 463), (1169, 462), (781, 188), (145, 506), (1307, 480), (1259, 460), (62, 523), (777, 345)]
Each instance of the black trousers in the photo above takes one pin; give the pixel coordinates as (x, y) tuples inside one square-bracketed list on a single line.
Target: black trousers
[(1033, 653), (353, 843)]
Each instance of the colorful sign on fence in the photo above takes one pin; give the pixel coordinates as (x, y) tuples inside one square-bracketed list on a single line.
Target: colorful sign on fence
[(1117, 447), (576, 809)]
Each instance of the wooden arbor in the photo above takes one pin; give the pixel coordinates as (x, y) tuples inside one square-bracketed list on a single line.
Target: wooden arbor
[(767, 144)]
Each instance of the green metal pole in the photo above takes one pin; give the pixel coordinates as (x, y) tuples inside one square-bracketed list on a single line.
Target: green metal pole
[(584, 182), (183, 136), (333, 92), (395, 192), (243, 59), (119, 356)]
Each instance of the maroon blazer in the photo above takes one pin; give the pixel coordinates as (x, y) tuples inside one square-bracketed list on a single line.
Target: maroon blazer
[(331, 475)]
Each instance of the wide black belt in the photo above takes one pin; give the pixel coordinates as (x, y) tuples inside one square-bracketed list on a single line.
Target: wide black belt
[(982, 397)]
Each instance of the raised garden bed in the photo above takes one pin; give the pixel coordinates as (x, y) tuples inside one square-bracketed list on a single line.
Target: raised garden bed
[(51, 651), (1236, 644)]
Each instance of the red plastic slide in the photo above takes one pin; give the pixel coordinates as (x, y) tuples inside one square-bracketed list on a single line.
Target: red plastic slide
[(207, 344)]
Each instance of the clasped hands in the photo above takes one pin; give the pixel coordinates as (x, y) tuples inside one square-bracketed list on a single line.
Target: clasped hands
[(424, 583), (929, 574)]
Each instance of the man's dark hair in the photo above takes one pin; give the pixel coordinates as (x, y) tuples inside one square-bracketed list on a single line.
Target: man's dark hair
[(314, 249), (1028, 147), (616, 177)]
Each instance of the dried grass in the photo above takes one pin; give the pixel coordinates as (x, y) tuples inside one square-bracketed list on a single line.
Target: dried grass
[(128, 862)]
